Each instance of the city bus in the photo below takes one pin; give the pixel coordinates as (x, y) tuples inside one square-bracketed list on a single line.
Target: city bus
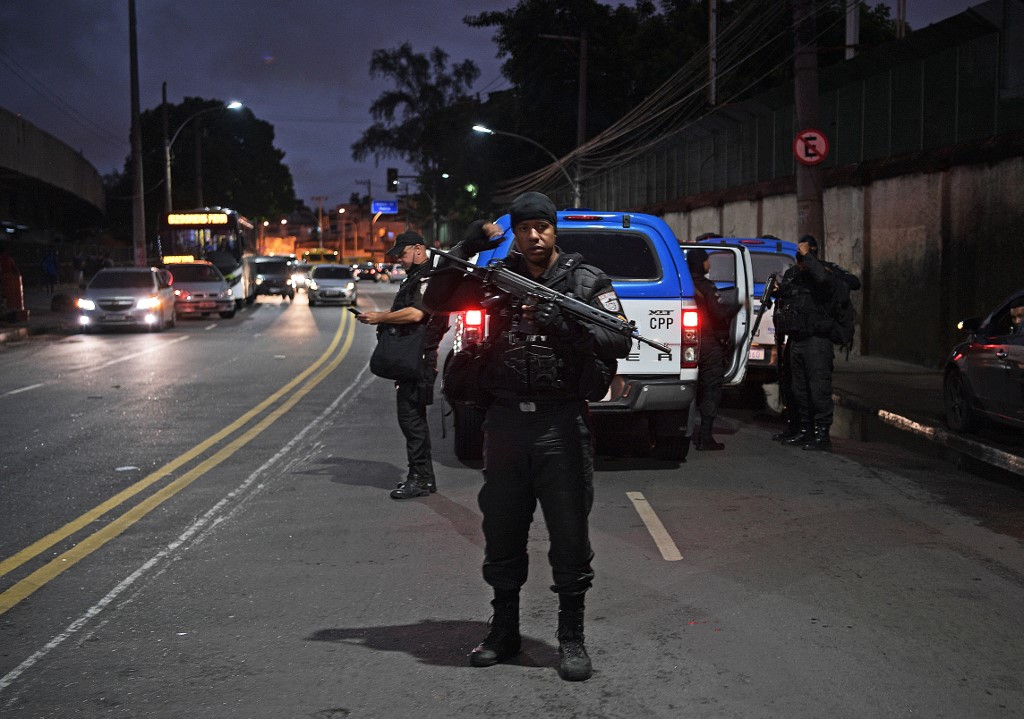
[(222, 236)]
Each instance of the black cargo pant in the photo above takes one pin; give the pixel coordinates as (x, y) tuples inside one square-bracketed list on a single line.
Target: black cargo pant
[(811, 361), (710, 376), (412, 419), (545, 456)]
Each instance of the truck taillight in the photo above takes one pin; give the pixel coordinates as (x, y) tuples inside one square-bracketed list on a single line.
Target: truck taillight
[(690, 339), (471, 328)]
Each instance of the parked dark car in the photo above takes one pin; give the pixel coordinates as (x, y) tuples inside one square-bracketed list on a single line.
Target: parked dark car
[(984, 377)]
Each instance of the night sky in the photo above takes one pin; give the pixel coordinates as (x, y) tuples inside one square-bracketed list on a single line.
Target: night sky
[(301, 65)]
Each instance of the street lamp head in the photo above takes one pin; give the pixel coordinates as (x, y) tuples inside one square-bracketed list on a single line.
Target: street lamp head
[(483, 129), (234, 105)]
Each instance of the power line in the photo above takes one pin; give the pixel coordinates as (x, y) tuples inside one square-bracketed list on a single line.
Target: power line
[(64, 107)]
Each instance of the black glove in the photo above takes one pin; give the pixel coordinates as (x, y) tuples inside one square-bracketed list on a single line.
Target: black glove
[(475, 241), (549, 317)]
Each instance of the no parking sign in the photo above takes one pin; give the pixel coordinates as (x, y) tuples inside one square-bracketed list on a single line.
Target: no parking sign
[(810, 147)]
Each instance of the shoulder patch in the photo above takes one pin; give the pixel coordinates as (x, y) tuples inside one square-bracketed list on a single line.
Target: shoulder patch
[(610, 301)]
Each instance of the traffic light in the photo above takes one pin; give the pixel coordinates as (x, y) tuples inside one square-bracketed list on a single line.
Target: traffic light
[(392, 179)]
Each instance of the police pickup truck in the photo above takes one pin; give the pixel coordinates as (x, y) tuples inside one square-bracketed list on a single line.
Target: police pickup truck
[(647, 408)]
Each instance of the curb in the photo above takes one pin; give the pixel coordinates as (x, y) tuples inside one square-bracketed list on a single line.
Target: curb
[(929, 430), (17, 333)]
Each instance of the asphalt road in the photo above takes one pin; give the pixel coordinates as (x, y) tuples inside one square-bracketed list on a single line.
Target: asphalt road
[(196, 523)]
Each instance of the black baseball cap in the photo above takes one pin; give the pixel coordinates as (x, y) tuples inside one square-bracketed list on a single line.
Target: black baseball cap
[(404, 240)]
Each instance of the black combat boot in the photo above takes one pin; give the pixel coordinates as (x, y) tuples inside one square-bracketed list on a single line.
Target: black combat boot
[(802, 436), (705, 441), (413, 487), (502, 641), (431, 483), (792, 430), (819, 441), (573, 661)]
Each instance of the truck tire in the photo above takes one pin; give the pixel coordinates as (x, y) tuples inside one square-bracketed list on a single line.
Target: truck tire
[(468, 432), (674, 448)]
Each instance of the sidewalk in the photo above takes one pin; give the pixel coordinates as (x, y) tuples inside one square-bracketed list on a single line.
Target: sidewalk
[(904, 396), (42, 319)]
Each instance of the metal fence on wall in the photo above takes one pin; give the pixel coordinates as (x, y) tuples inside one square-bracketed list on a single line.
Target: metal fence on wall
[(904, 99)]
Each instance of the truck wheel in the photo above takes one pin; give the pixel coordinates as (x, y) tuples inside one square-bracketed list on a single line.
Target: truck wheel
[(468, 431), (672, 448)]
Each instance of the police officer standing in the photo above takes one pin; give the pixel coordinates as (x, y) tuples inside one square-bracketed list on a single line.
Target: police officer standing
[(716, 312), (805, 300), (540, 367), (413, 396)]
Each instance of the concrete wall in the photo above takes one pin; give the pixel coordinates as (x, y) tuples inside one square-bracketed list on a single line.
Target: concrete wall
[(930, 248)]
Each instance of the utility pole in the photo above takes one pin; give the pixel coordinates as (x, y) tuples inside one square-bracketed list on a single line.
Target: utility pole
[(713, 53), (810, 219), (581, 103), (168, 208), (369, 200), (199, 163), (138, 191), (319, 200)]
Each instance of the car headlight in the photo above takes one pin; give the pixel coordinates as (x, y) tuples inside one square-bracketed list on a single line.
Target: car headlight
[(313, 285), (148, 303), (259, 280), (350, 286), (84, 304)]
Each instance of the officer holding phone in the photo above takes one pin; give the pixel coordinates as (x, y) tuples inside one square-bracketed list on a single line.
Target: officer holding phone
[(413, 396)]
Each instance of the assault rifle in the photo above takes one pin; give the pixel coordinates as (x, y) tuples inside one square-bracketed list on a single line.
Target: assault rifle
[(766, 301), (496, 276)]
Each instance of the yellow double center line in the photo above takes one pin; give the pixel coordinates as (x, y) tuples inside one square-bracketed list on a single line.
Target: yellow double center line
[(44, 574)]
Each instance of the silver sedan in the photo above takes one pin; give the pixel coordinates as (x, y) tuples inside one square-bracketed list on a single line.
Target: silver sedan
[(332, 284)]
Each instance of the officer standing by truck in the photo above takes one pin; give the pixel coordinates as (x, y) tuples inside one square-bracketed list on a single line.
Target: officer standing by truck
[(716, 312), (806, 297), (413, 396), (540, 367)]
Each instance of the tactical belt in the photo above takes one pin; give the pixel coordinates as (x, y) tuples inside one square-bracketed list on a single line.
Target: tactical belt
[(533, 405)]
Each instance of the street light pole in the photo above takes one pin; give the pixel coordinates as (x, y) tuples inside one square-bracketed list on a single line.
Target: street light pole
[(169, 142), (572, 183)]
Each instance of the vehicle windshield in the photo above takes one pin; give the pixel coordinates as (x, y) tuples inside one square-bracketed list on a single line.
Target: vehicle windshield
[(621, 255), (272, 266), (723, 268), (121, 280), (195, 273), (331, 273)]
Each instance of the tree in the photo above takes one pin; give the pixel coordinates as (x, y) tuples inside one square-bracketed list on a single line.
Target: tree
[(241, 168), (408, 119), (419, 121)]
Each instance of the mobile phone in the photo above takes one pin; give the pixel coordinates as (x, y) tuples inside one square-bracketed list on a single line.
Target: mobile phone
[(354, 311)]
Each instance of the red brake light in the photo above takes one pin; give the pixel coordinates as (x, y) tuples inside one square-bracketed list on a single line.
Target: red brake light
[(584, 218), (691, 318), (751, 242), (474, 318)]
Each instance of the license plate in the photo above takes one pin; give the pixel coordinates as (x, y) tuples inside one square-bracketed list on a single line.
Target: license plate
[(115, 317), (207, 305), (756, 353), (331, 293)]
